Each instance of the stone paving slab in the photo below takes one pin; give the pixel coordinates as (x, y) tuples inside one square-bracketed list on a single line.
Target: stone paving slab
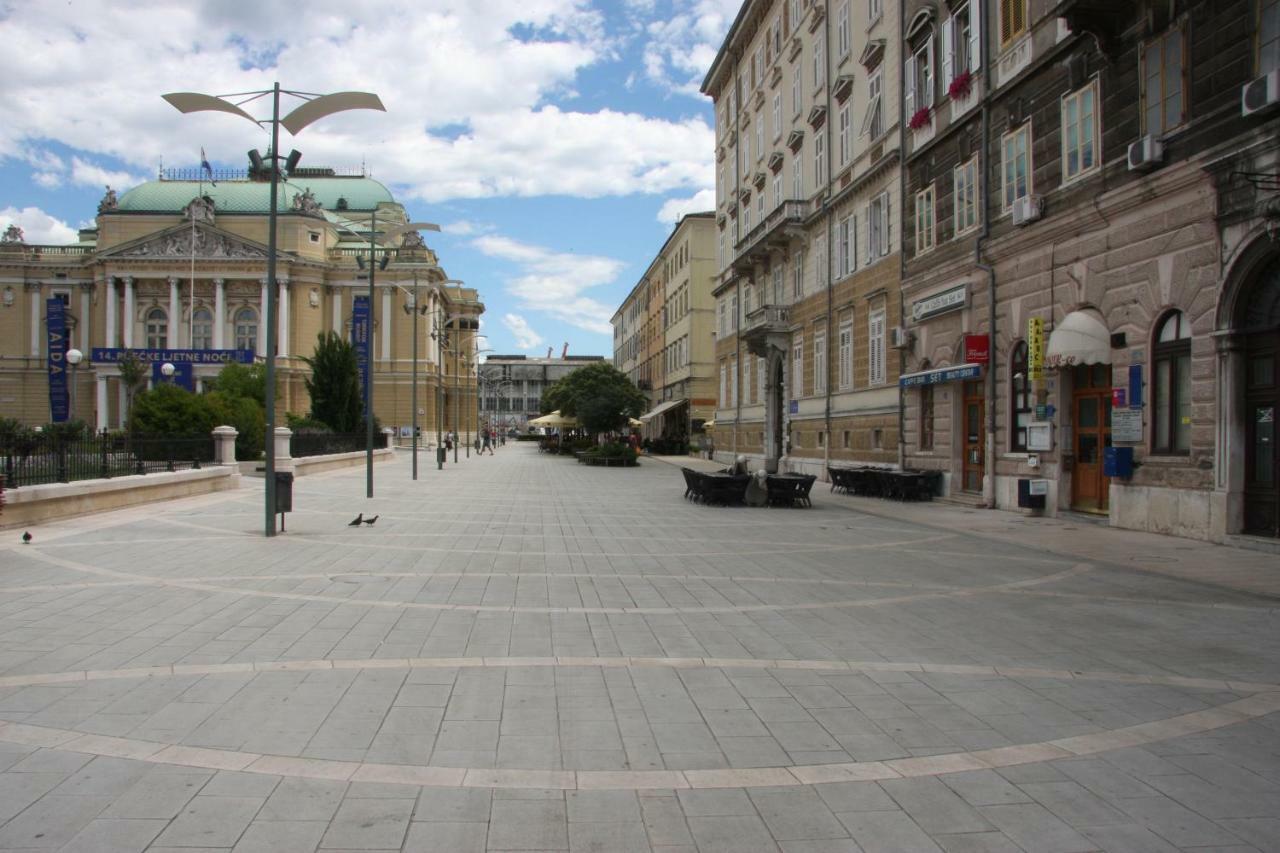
[(528, 654)]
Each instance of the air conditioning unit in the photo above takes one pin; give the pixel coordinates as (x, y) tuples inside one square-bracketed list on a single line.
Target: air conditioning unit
[(1260, 94), (899, 338), (1027, 209), (1145, 154)]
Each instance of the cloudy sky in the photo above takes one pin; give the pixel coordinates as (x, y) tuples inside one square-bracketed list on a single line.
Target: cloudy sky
[(555, 141)]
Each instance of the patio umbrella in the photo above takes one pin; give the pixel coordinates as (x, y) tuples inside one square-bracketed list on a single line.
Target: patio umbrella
[(632, 422), (555, 420)]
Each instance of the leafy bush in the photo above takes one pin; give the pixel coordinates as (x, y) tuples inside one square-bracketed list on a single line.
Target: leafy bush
[(306, 423), (241, 380)]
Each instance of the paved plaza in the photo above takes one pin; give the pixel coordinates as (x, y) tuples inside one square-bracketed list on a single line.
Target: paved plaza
[(528, 654)]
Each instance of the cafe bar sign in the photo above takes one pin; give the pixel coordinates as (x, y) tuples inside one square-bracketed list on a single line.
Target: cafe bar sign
[(952, 299)]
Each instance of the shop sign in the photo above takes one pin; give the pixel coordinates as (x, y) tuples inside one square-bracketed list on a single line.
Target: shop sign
[(1035, 348), (1126, 426), (940, 303), (794, 407), (945, 374), (977, 349), (1117, 398)]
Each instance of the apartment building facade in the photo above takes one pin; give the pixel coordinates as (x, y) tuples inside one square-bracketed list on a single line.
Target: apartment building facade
[(1091, 283), (807, 189)]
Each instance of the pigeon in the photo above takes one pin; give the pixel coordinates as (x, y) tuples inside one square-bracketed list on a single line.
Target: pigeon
[(370, 521), (26, 537), (355, 522)]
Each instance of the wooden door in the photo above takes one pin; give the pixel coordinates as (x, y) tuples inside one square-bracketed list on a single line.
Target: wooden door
[(1091, 422), (1262, 462), (973, 443)]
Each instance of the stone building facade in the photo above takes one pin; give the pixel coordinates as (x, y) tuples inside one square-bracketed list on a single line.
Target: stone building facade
[(808, 193), (177, 264), (511, 386)]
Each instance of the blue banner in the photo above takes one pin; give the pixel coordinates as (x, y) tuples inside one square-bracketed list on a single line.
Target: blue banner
[(184, 375), (59, 405), (360, 339), (943, 374), (175, 357)]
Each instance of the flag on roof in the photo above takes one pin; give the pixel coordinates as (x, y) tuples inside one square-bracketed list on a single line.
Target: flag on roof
[(204, 165)]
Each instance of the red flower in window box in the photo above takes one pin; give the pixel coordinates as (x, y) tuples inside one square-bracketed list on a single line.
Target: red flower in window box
[(961, 85), (919, 119)]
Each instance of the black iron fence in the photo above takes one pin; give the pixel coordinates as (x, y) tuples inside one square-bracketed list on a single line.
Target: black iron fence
[(324, 443), (34, 458)]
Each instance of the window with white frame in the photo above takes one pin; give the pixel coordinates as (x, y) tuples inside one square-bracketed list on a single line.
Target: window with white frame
[(746, 156), (202, 329), (793, 10), (819, 362), (819, 159), (1015, 166), (1080, 132), (878, 224), (733, 311), (724, 385), (875, 348), (777, 115), (820, 261), (1013, 20), (964, 195), (760, 206), (842, 30), (796, 78), (775, 38), (845, 132), (779, 275), (757, 66), (1163, 99), (777, 188), (797, 365), (845, 355), (961, 41), (797, 178), (845, 246), (925, 220), (873, 121), (875, 8), (733, 381), (746, 216), (917, 77), (797, 276), (1268, 36), (819, 65), (157, 327), (759, 134), (748, 297), (761, 372)]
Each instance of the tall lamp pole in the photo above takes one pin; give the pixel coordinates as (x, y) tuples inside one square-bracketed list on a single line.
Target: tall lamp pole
[(313, 108)]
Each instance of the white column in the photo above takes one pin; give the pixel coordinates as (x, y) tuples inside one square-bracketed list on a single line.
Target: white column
[(262, 319), (283, 310), (128, 319), (86, 318), (219, 313), (335, 296), (386, 324), (175, 315), (102, 403), (35, 295), (110, 296)]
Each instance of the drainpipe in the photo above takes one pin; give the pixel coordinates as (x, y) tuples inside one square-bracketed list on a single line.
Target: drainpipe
[(989, 449), (902, 252), (826, 197)]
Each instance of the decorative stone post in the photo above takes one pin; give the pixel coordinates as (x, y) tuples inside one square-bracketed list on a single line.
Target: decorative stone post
[(391, 437), (284, 462), (224, 445)]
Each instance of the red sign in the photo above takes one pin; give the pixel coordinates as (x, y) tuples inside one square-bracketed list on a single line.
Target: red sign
[(977, 349), (1117, 398)]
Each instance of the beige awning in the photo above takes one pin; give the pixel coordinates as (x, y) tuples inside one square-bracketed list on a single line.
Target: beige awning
[(632, 422), (555, 420), (1081, 338), (661, 408)]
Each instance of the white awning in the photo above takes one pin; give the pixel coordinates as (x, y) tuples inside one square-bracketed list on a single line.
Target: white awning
[(661, 408), (1081, 338)]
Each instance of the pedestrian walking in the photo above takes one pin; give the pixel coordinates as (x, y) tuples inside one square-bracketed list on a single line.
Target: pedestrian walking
[(488, 443)]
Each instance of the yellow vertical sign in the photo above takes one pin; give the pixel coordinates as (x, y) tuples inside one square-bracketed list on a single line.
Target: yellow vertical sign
[(1035, 348)]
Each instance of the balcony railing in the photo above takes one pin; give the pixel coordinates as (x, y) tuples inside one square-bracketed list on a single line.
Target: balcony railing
[(775, 227), (767, 318)]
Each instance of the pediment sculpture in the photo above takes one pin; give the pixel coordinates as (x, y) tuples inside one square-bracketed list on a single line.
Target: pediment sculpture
[(12, 234), (206, 244), (305, 202), (200, 209)]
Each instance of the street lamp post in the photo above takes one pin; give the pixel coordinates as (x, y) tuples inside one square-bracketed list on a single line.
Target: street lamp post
[(313, 108), (74, 357), (416, 309)]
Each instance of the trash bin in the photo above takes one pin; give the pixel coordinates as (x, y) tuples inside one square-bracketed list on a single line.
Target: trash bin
[(440, 455), (284, 491)]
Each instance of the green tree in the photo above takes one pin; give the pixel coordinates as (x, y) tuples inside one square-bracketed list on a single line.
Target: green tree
[(239, 393), (241, 380), (133, 376), (599, 395), (171, 410), (334, 385)]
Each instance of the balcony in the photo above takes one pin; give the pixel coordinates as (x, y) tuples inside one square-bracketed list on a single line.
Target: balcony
[(768, 326), (777, 230)]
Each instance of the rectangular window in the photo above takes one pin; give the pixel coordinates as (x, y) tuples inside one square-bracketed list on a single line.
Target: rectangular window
[(926, 417), (820, 260), (760, 375), (777, 115), (797, 276), (1080, 132), (777, 284), (842, 30), (878, 227), (924, 220), (875, 8), (844, 246), (793, 9), (1015, 165), (873, 121), (795, 90), (777, 188), (1163, 104), (797, 366), (875, 348), (819, 362), (759, 134), (819, 159), (724, 385), (757, 66), (964, 196), (748, 295), (797, 178), (1013, 20), (961, 34), (733, 311), (733, 382), (760, 205), (845, 132), (1268, 36), (819, 65), (846, 355)]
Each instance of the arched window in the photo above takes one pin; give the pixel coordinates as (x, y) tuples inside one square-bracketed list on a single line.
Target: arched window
[(1021, 406), (157, 329), (246, 323), (202, 329), (1171, 382)]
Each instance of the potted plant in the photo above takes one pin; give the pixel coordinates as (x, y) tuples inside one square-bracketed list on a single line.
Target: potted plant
[(961, 85), (919, 119)]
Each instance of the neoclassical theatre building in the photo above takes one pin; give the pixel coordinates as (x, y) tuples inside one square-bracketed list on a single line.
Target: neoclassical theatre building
[(176, 269)]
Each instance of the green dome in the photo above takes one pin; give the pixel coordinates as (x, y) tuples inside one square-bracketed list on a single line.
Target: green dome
[(361, 194)]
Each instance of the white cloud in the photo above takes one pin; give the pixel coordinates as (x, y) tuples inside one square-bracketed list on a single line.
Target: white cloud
[(554, 283), (38, 227), (680, 49), (475, 93), (674, 208), (89, 174), (526, 337)]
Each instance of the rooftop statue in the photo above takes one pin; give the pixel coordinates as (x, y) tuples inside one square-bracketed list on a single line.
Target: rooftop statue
[(109, 201)]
